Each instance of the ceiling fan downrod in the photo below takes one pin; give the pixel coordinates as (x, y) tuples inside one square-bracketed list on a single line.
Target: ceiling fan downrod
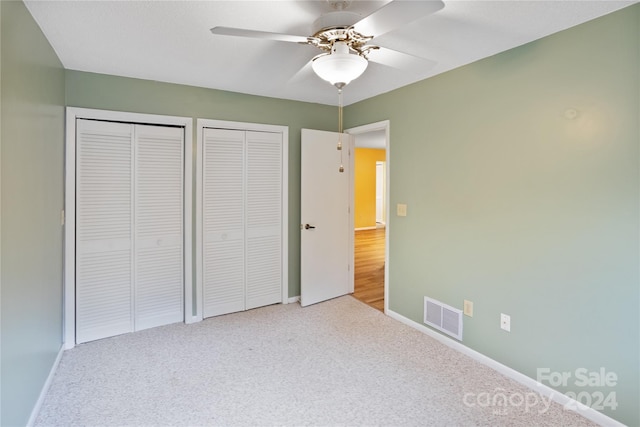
[(340, 128)]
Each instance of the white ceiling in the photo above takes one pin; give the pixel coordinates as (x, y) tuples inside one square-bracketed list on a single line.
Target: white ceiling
[(170, 41)]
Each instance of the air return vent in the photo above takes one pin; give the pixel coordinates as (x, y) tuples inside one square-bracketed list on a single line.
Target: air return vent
[(443, 317)]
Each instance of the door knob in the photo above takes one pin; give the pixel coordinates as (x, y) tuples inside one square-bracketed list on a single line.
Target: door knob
[(307, 226)]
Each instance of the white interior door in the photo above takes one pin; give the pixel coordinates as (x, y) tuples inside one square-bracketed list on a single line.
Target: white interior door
[(129, 228), (327, 232), (104, 229), (263, 219), (241, 220), (223, 221), (158, 226)]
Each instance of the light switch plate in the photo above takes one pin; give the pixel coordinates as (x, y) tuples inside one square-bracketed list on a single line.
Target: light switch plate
[(468, 308), (402, 209)]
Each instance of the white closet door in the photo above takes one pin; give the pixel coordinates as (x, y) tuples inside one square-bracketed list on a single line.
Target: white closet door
[(103, 229), (158, 225), (264, 219), (129, 228), (223, 274)]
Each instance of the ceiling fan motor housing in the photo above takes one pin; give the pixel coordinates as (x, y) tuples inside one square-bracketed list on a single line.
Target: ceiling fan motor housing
[(337, 26)]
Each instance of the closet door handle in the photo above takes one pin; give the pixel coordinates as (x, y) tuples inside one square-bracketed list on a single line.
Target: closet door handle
[(307, 226)]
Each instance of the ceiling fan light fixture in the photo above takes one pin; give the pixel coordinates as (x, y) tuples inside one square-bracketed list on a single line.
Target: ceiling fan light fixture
[(339, 67)]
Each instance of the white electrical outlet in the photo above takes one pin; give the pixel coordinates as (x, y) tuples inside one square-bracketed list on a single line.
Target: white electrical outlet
[(468, 308), (505, 322), (401, 209)]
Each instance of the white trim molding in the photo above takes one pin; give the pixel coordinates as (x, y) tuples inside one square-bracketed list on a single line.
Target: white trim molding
[(258, 127), (74, 113), (45, 388), (542, 389), (384, 125)]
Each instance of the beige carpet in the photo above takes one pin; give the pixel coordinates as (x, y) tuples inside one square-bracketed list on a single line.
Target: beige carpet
[(338, 363)]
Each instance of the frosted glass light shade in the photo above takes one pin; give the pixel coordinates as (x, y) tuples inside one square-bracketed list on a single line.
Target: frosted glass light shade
[(339, 67)]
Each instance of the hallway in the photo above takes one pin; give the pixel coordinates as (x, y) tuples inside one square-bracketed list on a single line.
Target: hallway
[(369, 267)]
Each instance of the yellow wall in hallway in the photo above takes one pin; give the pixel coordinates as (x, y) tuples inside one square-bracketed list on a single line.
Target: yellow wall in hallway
[(365, 186)]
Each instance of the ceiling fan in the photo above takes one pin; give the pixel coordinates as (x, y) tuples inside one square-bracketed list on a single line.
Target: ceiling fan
[(344, 37)]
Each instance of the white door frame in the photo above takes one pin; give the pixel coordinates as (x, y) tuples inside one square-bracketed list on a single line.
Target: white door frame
[(69, 214), (383, 165), (384, 125), (223, 124)]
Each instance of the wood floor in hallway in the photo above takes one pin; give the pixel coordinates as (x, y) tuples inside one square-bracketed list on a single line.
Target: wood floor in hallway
[(369, 267)]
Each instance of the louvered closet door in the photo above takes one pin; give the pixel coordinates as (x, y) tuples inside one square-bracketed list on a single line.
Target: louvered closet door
[(103, 229), (264, 219), (223, 274), (129, 228), (158, 225)]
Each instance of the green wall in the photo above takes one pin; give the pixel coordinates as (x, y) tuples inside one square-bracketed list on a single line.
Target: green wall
[(522, 209), (32, 197), (512, 203), (105, 92)]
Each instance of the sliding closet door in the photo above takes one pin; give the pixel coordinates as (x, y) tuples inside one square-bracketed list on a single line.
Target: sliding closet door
[(158, 225), (223, 273), (129, 228), (264, 219), (104, 261)]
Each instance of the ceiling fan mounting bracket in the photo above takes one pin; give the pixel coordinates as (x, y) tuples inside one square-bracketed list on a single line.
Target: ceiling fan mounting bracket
[(339, 4)]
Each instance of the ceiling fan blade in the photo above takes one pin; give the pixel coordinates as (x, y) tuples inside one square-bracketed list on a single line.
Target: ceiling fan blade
[(302, 74), (239, 32), (400, 60), (394, 15)]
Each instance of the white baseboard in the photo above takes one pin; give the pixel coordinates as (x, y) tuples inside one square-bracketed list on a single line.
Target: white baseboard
[(365, 228), (293, 300), (45, 388), (542, 389), (192, 319)]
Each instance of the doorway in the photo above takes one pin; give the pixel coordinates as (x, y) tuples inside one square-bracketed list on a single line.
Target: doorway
[(371, 201)]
